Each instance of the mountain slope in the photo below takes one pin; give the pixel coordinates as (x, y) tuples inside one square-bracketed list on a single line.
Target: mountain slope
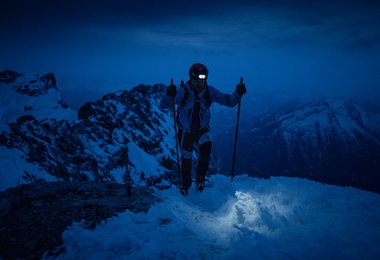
[(23, 97), (91, 148), (334, 142)]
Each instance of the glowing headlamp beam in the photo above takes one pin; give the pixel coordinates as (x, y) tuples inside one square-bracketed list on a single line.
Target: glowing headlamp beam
[(202, 76)]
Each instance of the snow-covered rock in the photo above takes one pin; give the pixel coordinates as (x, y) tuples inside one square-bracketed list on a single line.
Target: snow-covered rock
[(33, 216), (249, 218), (28, 94), (92, 147)]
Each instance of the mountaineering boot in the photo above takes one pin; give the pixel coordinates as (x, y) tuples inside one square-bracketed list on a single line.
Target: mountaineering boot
[(184, 191), (203, 163), (200, 182), (200, 186), (185, 175)]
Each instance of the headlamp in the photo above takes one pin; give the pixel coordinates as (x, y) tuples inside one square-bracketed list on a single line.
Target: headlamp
[(202, 76)]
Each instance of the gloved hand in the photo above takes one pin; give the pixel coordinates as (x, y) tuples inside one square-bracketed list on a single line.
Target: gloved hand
[(241, 89), (171, 91)]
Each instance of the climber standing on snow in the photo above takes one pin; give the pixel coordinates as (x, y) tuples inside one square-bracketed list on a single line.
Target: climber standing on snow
[(194, 99)]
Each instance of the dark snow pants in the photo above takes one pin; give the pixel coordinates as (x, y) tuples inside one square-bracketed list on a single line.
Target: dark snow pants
[(186, 141)]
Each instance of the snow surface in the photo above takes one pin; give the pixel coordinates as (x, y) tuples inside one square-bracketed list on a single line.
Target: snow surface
[(13, 167), (278, 218)]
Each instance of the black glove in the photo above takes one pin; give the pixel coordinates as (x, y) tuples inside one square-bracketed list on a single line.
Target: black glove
[(241, 89), (171, 91)]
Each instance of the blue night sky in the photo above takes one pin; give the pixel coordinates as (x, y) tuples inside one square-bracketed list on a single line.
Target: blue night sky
[(285, 47)]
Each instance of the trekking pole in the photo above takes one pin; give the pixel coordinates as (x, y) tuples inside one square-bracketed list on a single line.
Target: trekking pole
[(176, 140), (236, 135)]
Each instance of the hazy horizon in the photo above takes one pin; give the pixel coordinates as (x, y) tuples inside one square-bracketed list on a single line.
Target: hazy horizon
[(294, 49)]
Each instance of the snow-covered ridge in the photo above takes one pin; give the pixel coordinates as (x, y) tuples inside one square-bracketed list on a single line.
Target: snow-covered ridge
[(325, 140), (345, 114), (32, 94), (92, 146)]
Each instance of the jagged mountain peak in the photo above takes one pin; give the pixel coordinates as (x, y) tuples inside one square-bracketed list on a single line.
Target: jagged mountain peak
[(140, 91), (9, 76), (309, 111), (152, 91), (343, 119), (91, 147), (124, 104), (31, 94), (29, 84)]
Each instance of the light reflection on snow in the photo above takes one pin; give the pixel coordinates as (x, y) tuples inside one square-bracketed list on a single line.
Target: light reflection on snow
[(248, 219)]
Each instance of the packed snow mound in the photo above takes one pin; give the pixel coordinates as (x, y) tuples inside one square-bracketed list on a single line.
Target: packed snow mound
[(15, 170), (31, 94), (277, 218)]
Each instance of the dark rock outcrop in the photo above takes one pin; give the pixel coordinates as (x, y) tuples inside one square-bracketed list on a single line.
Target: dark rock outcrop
[(34, 216), (89, 148), (8, 76), (36, 86)]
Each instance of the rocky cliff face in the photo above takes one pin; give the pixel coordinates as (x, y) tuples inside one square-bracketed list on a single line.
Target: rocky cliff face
[(334, 142), (122, 131)]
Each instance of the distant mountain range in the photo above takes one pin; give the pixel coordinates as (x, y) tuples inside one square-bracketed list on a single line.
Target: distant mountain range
[(329, 141), (42, 139)]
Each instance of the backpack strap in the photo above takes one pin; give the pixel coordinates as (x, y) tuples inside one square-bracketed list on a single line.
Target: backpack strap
[(206, 96)]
